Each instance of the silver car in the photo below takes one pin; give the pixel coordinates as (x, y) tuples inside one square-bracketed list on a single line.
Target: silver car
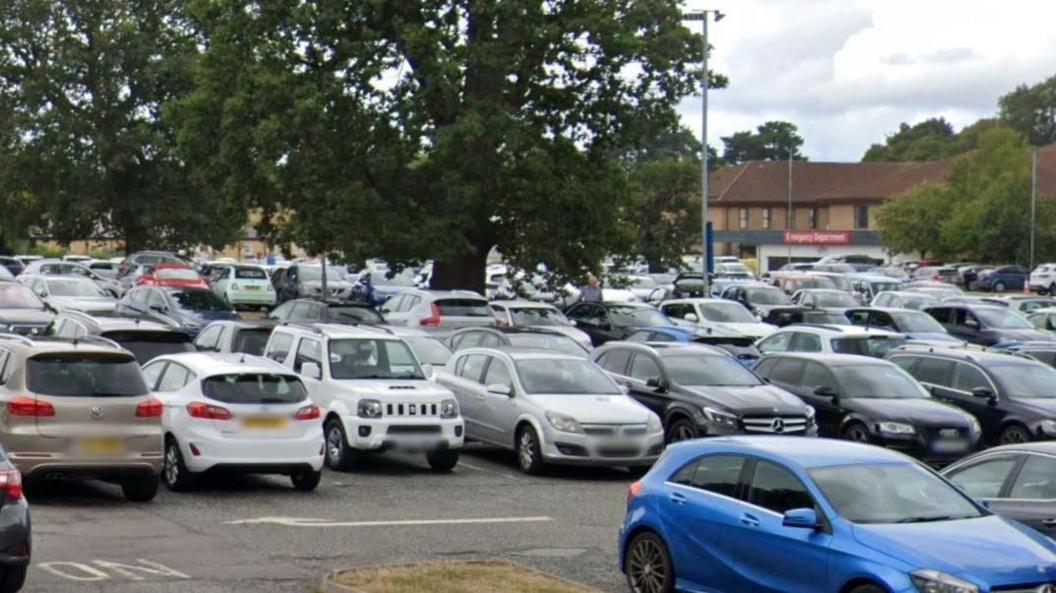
[(439, 311), (58, 267), (551, 408)]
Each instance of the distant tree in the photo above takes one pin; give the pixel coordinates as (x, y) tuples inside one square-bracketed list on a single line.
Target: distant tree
[(928, 140), (910, 223), (1031, 111), (771, 141)]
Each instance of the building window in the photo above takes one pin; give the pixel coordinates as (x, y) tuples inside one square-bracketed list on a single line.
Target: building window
[(861, 217), (743, 217), (812, 219), (766, 218)]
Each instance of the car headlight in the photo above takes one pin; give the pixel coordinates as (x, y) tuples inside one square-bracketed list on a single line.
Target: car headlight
[(810, 413), (1048, 426), (976, 428), (449, 408), (653, 424), (369, 408), (563, 423), (897, 428), (933, 581), (719, 417)]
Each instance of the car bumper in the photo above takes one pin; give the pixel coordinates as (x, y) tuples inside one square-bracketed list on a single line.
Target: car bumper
[(262, 298), (931, 452), (34, 455), (216, 452), (15, 533), (579, 449), (422, 434)]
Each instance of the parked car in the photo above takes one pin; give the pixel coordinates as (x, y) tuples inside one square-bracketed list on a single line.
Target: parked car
[(373, 394), (145, 338), (171, 275), (873, 401), (377, 287), (1022, 304), (551, 409), (21, 310), (831, 339), (1043, 319), (717, 313), (1043, 279), (1015, 481), (794, 315), (332, 311), (16, 534), (739, 346), (235, 414), (604, 322), (306, 281), (892, 299), (520, 313), (190, 308), (938, 290), (841, 280), (243, 285), (518, 337), (700, 391), (439, 311), (915, 325), (782, 514), (1002, 278), (13, 265), (56, 267), (146, 258), (80, 409), (235, 337), (70, 292), (103, 267), (1044, 352), (865, 287), (792, 282), (945, 274), (757, 299), (836, 301), (985, 325), (428, 348), (1013, 397)]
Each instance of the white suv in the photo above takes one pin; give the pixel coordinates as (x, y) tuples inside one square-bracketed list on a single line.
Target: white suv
[(831, 339), (1043, 279), (373, 393)]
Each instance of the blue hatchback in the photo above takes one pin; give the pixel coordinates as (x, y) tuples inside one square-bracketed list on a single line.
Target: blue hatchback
[(791, 515)]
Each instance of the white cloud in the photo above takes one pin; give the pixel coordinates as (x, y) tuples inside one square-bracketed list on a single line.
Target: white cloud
[(849, 71)]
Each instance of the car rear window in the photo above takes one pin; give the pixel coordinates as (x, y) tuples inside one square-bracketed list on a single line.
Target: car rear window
[(176, 274), (357, 314), (876, 346), (464, 307), (250, 274), (254, 388), (82, 374), (147, 345), (252, 341)]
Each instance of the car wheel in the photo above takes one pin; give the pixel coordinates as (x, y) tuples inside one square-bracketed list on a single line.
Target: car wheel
[(529, 453), (142, 489), (175, 473), (681, 430), (1052, 289), (999, 287), (306, 481), (338, 453), (12, 578), (442, 461), (649, 568), (858, 433), (1014, 434), (867, 589)]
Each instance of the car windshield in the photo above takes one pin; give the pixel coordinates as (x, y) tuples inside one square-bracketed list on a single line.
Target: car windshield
[(254, 388), (250, 273), (364, 315), (917, 322), (882, 286), (315, 273), (75, 288), (372, 359), (18, 296), (891, 493), (429, 350), (85, 375), (547, 342), (177, 274), (726, 313), (914, 302), (710, 370), (1001, 319), (404, 278), (767, 296), (875, 346), (623, 316), (1025, 380), (251, 341), (825, 317), (538, 316), (147, 345), (882, 381), (463, 307), (199, 300), (564, 377), (834, 299)]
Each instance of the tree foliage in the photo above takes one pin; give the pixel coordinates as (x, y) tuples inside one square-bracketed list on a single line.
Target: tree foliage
[(929, 140), (911, 223), (666, 210), (1031, 111), (771, 141)]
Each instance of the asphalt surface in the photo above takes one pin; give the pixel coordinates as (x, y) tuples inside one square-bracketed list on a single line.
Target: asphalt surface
[(258, 535)]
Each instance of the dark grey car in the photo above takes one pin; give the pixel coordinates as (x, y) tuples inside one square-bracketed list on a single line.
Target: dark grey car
[(15, 530)]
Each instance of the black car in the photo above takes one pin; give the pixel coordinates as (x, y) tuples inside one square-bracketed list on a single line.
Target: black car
[(873, 401), (144, 337), (236, 336), (986, 325), (15, 528), (915, 325), (1013, 397), (785, 316), (189, 308), (1017, 481), (520, 337), (758, 299), (332, 311), (703, 391), (21, 310), (13, 264), (605, 322)]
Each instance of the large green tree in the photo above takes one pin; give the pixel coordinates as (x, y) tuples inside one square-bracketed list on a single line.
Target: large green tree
[(666, 210), (928, 140), (83, 149), (1031, 111), (771, 141), (437, 128), (911, 223)]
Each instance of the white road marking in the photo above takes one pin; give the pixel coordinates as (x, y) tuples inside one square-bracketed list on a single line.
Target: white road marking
[(305, 522), (84, 573), (484, 470), (76, 571)]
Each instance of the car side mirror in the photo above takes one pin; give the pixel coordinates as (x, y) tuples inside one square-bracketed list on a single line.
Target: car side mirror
[(801, 519), (656, 383), (625, 389), (691, 317), (825, 391), (428, 370), (501, 389), (312, 370), (984, 393), (159, 308)]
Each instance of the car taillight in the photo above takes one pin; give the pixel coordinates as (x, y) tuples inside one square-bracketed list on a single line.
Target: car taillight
[(11, 484), (207, 412), (434, 319), (311, 412), (633, 491), (149, 409), (26, 406)]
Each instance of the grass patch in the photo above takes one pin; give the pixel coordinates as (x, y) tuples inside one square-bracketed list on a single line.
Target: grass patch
[(468, 577)]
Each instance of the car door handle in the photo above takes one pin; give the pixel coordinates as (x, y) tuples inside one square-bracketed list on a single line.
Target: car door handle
[(750, 520), (678, 499)]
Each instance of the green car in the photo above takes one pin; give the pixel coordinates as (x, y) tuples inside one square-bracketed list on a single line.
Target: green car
[(243, 285)]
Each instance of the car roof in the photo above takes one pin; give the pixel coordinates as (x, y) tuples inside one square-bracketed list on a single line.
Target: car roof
[(113, 321), (246, 323), (1046, 447), (978, 356), (831, 359), (522, 304), (793, 451), (521, 353), (844, 330), (41, 344), (968, 305), (698, 301), (336, 331), (211, 364)]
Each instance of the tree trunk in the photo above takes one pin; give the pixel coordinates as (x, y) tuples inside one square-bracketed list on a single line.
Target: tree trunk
[(464, 273)]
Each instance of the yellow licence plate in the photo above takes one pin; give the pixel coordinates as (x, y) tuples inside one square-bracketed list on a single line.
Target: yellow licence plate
[(264, 423), (101, 446), (253, 288)]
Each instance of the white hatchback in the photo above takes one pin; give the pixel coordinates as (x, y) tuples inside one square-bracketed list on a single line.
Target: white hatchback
[(235, 413)]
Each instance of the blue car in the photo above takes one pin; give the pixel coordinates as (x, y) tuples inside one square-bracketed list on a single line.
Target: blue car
[(188, 309), (793, 515), (740, 346)]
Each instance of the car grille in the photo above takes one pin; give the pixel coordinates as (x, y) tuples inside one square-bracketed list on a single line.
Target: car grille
[(775, 424), (612, 430), (414, 429), (946, 434), (618, 451), (412, 409), (1023, 588)]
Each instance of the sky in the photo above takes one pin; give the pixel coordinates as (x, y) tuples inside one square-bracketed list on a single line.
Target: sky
[(847, 72)]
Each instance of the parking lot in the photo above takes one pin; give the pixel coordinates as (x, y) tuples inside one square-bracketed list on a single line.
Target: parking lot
[(256, 534)]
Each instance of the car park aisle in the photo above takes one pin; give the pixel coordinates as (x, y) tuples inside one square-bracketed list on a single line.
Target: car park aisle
[(257, 534)]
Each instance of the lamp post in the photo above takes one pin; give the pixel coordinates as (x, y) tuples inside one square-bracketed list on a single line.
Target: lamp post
[(703, 16), (1033, 201)]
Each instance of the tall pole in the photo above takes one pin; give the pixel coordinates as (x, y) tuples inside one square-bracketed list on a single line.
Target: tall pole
[(790, 218), (704, 166), (1033, 198)]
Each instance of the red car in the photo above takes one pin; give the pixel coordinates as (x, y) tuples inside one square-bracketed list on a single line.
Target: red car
[(175, 275)]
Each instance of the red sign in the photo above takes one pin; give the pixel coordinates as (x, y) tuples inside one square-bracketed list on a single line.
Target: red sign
[(817, 237)]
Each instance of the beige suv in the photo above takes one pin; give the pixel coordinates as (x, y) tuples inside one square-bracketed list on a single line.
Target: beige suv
[(79, 408)]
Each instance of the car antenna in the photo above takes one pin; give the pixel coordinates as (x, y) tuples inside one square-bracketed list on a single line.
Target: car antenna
[(243, 359)]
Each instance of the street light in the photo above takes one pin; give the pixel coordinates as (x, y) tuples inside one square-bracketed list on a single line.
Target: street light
[(702, 16)]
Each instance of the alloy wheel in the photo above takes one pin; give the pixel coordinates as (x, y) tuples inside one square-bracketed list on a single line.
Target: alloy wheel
[(1014, 436), (857, 434), (646, 567), (334, 444), (525, 453), (172, 464)]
